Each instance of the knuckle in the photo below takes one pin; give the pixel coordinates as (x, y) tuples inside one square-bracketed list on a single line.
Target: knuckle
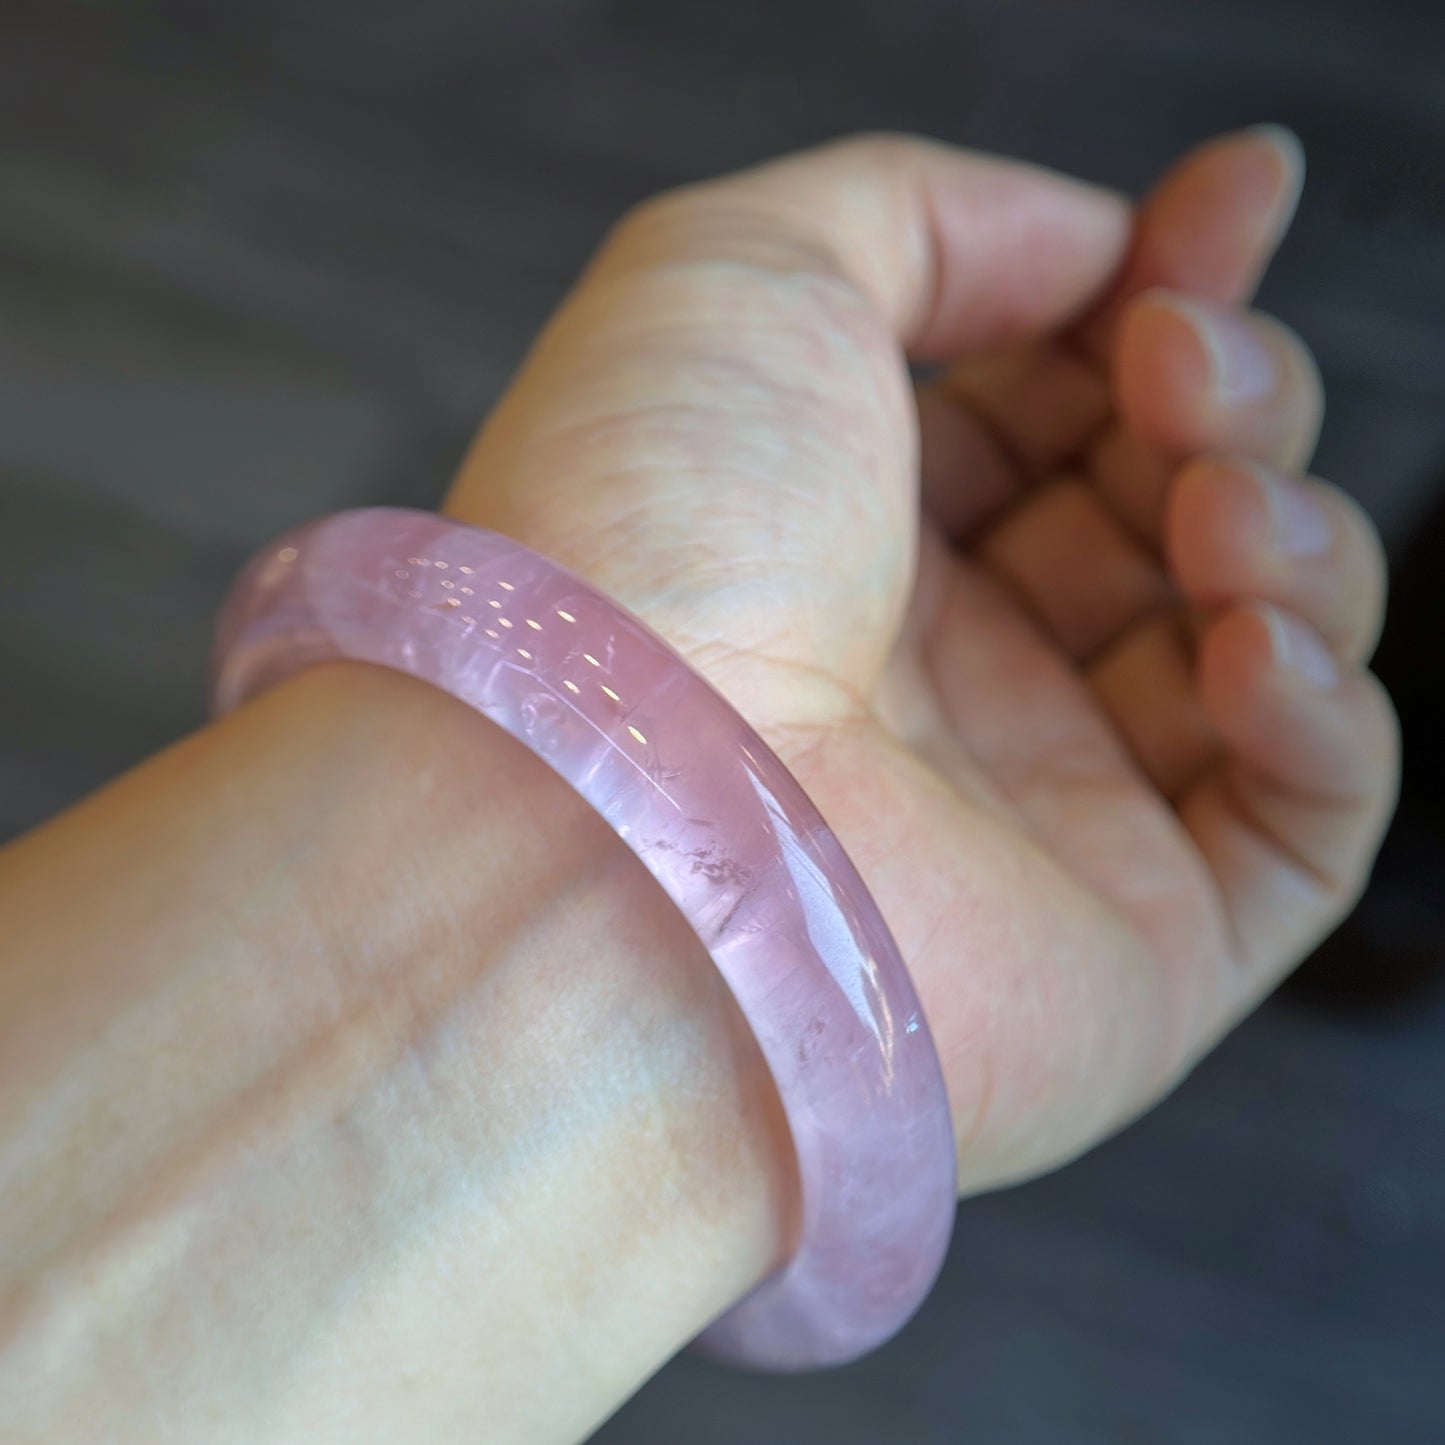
[(1303, 370), (1362, 564), (1390, 741), (761, 204), (885, 149), (657, 220), (1365, 537)]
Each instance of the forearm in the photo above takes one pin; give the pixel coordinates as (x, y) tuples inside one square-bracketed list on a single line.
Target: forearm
[(356, 1082)]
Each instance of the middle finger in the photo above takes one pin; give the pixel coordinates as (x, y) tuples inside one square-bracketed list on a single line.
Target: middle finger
[(1194, 376)]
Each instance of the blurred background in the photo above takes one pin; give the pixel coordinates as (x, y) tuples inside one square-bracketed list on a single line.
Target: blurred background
[(264, 259)]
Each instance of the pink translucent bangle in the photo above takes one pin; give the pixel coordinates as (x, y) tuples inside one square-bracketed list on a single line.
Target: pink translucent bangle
[(719, 822)]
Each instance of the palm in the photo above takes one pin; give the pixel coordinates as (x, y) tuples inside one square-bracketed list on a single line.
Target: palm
[(1017, 727), (994, 702), (1044, 829)]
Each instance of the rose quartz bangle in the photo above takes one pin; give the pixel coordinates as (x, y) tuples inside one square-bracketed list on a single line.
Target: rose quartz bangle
[(725, 829)]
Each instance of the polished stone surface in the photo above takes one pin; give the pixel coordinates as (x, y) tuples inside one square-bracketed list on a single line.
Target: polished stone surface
[(718, 821)]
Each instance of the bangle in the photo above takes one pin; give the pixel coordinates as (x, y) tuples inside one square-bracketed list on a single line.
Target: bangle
[(718, 821)]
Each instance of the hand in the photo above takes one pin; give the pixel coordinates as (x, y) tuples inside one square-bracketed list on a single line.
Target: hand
[(1061, 640)]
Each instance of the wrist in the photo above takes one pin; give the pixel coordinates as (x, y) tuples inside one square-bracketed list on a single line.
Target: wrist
[(460, 1065)]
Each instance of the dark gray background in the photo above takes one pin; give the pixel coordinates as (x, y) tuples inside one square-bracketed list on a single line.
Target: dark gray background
[(263, 259)]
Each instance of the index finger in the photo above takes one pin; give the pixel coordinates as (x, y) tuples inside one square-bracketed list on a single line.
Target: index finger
[(1209, 227), (953, 250)]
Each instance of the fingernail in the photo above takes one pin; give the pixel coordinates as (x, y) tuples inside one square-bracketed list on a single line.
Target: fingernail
[(1241, 366), (1291, 152), (1301, 650), (1302, 526)]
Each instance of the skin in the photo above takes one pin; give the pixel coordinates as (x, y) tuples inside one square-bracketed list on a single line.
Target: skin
[(351, 1069)]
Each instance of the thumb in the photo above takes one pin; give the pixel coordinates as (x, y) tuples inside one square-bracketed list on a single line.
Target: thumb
[(718, 426)]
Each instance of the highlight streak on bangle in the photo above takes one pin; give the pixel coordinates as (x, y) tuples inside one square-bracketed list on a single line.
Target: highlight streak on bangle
[(720, 823)]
